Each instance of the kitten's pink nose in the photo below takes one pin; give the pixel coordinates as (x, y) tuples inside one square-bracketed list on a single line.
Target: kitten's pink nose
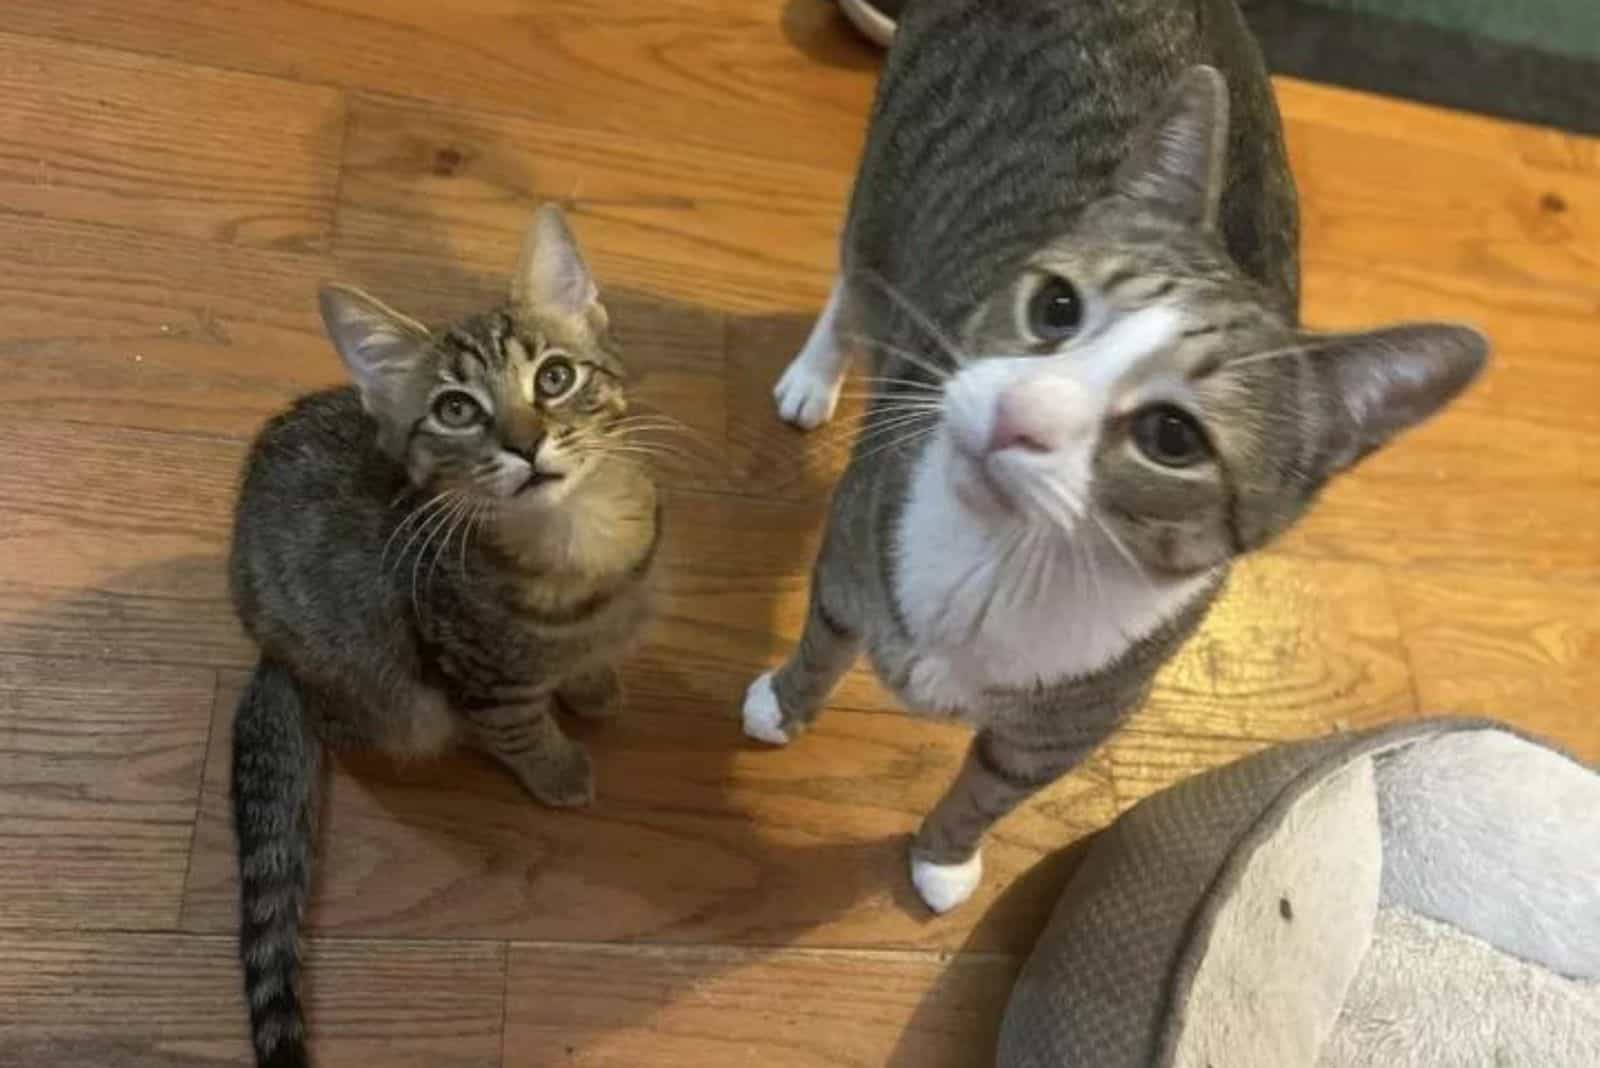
[(1042, 414)]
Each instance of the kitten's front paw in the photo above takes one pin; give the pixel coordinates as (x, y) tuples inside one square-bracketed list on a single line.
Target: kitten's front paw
[(763, 718), (806, 396), (564, 779), (944, 886)]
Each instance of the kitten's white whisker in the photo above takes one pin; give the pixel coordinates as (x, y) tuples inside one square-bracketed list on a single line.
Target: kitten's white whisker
[(457, 516), (423, 516), (473, 521), (433, 528), (411, 517)]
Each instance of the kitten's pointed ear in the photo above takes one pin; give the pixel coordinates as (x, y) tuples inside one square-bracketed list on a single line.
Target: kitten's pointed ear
[(380, 347), (551, 275), (1178, 164), (1387, 381)]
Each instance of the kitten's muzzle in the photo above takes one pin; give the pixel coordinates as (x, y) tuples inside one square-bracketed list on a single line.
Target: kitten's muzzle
[(536, 479)]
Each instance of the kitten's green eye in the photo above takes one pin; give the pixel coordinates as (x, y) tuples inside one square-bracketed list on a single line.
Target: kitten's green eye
[(556, 378), (1169, 436), (457, 410), (1055, 311)]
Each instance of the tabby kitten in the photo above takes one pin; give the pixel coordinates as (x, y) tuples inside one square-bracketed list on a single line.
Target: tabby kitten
[(1078, 286), (449, 550)]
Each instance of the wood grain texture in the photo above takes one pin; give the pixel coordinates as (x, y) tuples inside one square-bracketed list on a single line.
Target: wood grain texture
[(177, 178), (745, 846), (787, 80), (619, 1007), (1520, 650), (1292, 646), (174, 1001), (1411, 213), (717, 226), (99, 778), (129, 141)]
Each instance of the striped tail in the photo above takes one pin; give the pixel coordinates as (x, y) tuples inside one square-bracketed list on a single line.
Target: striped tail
[(276, 765)]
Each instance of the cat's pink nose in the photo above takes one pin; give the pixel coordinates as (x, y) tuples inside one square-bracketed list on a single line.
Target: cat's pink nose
[(1041, 414)]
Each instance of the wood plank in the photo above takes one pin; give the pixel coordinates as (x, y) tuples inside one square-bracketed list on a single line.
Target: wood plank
[(187, 337), (1487, 140), (130, 141), (789, 80), (99, 778), (697, 837), (109, 328), (1292, 645), (1295, 648), (622, 1006), (1520, 651), (766, 457), (174, 1001), (1411, 212), (715, 226)]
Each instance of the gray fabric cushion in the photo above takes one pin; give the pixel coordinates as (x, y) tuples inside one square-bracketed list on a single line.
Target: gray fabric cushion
[(1128, 933)]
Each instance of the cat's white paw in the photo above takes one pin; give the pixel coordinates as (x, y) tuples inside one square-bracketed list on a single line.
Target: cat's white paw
[(763, 719), (944, 886), (807, 394)]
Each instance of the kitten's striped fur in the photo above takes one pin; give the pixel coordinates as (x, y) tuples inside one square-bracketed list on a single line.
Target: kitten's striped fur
[(413, 578), (1016, 543)]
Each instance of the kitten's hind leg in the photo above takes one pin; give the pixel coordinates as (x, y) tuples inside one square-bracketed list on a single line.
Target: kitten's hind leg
[(526, 738), (808, 391), (595, 694), (781, 704)]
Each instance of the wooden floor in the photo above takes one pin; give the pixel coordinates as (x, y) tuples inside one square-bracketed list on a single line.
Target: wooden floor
[(175, 178)]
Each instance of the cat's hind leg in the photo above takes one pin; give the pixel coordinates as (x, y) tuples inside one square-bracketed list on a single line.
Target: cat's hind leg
[(808, 391), (781, 704), (525, 737)]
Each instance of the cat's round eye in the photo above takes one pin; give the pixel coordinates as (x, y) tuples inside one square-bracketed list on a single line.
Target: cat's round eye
[(1169, 436), (1055, 311), (556, 378), (457, 410)]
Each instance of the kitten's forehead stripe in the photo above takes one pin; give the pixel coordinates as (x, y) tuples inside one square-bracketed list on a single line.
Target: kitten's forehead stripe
[(515, 350)]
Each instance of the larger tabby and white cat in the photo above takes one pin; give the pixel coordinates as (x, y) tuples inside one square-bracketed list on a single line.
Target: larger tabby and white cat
[(1077, 283)]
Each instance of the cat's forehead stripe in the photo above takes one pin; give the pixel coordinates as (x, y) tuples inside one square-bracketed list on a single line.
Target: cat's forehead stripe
[(1128, 342)]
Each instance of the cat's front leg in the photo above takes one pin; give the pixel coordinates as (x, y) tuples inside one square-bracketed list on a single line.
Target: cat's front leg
[(808, 391), (595, 694), (999, 773), (781, 704), (524, 736)]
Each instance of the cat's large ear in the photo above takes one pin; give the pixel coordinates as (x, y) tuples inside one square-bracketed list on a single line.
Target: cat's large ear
[(381, 348), (1178, 164), (551, 275), (1380, 383)]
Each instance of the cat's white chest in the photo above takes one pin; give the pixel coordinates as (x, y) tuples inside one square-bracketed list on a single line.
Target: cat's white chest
[(993, 603)]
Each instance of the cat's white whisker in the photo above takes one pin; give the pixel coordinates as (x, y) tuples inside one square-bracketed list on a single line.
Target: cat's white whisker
[(940, 374), (1263, 357), (921, 318)]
